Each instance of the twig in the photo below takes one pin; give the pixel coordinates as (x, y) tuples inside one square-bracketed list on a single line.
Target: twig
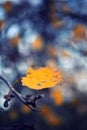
[(29, 100)]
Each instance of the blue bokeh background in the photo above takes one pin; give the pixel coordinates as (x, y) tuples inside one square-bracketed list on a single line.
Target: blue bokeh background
[(38, 33)]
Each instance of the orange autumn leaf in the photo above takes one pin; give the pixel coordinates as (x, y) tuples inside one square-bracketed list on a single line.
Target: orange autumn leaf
[(79, 32), (52, 51), (42, 78), (15, 41), (13, 115), (57, 97), (25, 109), (7, 6), (57, 23), (38, 44), (2, 23), (50, 116)]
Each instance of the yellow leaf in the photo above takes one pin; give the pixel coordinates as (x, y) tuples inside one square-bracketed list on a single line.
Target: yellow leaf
[(42, 78)]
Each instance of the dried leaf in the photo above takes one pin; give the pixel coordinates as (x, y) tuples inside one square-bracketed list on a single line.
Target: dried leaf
[(42, 78)]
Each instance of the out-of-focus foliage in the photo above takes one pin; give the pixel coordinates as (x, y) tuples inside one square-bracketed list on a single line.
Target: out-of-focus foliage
[(37, 44), (50, 117), (25, 109), (57, 96), (79, 33)]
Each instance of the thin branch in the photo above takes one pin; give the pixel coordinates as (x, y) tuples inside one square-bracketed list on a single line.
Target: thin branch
[(29, 101)]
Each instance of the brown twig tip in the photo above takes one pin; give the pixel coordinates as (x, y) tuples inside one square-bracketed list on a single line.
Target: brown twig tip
[(28, 100)]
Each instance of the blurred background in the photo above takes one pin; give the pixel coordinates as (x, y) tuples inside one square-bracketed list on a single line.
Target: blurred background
[(38, 33)]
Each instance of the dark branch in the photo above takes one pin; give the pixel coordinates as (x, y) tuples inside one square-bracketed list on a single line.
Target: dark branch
[(29, 100)]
